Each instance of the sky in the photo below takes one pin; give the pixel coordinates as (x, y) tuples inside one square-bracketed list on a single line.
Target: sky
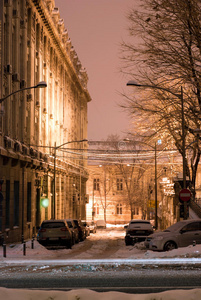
[(96, 29)]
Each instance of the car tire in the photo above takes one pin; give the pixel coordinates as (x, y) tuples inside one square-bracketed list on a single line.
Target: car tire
[(170, 245), (128, 243)]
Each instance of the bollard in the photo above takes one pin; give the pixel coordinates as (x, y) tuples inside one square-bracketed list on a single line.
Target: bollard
[(2, 240), (4, 250), (32, 243), (22, 239), (24, 248), (194, 243)]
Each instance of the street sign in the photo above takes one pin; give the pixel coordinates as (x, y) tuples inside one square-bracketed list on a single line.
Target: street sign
[(185, 195)]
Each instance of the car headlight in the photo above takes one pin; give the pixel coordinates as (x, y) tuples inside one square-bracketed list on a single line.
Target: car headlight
[(158, 238)]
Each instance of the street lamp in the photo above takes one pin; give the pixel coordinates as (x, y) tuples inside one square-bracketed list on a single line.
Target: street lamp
[(180, 96), (41, 84), (54, 179), (155, 178)]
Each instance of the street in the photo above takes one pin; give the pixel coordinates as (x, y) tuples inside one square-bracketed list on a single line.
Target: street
[(102, 263)]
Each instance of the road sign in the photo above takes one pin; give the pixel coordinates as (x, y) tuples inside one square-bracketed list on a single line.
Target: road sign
[(185, 195)]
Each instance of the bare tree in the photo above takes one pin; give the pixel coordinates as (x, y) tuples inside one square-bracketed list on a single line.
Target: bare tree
[(165, 53), (132, 172)]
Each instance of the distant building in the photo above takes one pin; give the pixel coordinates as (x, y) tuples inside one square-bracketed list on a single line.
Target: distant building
[(35, 123), (120, 188)]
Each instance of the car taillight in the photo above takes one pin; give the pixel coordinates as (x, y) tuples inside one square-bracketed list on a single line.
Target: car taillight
[(42, 230), (64, 229)]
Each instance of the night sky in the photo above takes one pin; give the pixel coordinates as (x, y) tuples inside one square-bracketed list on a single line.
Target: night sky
[(96, 29)]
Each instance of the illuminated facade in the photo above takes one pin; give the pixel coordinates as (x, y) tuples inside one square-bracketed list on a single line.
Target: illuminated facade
[(35, 123)]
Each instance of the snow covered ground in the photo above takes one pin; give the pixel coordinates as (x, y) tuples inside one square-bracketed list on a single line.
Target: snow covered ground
[(94, 248), (83, 294)]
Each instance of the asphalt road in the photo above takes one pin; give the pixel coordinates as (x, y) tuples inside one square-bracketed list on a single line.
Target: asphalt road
[(104, 270), (123, 279)]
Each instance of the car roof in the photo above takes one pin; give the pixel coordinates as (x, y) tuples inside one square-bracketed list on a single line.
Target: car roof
[(54, 220), (139, 221)]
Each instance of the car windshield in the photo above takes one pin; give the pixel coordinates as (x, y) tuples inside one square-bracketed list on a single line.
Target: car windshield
[(174, 227), (141, 222), (53, 225), (69, 224)]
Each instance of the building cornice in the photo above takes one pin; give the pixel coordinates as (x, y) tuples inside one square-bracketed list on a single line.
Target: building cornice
[(50, 26)]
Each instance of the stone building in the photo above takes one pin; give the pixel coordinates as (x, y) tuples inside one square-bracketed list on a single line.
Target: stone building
[(121, 184), (109, 196), (39, 158)]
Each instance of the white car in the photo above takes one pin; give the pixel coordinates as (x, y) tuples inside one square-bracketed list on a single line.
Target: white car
[(181, 234), (55, 232)]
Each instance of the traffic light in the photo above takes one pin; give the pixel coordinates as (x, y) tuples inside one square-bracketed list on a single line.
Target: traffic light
[(44, 202)]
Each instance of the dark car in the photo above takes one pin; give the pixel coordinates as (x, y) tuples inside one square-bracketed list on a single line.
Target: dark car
[(81, 229), (55, 232), (74, 231), (137, 231), (180, 234), (87, 228)]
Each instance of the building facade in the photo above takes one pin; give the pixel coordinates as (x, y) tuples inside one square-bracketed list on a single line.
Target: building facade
[(39, 156), (118, 194)]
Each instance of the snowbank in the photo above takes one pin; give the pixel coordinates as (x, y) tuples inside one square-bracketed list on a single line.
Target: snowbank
[(84, 294)]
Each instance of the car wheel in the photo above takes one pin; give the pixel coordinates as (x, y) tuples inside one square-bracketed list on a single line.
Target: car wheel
[(128, 243), (170, 246)]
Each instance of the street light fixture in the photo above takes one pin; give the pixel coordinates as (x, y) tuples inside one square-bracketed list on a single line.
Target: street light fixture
[(54, 179), (180, 96), (41, 84)]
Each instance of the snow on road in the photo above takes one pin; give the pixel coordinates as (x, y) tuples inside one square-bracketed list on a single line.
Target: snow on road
[(102, 246)]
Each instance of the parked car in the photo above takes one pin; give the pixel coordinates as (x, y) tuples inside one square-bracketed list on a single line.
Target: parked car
[(137, 231), (87, 228), (81, 229), (92, 226), (55, 232), (181, 234), (74, 230), (100, 224)]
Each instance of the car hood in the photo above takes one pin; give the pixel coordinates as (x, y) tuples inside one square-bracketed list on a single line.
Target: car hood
[(162, 233)]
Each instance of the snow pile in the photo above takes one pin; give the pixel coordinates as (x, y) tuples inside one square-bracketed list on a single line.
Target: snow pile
[(84, 294)]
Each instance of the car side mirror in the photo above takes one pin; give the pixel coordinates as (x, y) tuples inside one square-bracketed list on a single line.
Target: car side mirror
[(126, 226), (182, 231)]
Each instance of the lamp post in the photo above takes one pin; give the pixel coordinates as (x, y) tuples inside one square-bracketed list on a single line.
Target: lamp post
[(179, 96), (54, 178), (41, 84), (155, 178)]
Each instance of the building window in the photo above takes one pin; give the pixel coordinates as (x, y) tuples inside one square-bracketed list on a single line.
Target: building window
[(7, 203), (119, 209), (28, 201), (136, 210), (119, 184), (96, 184), (96, 209), (16, 203)]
